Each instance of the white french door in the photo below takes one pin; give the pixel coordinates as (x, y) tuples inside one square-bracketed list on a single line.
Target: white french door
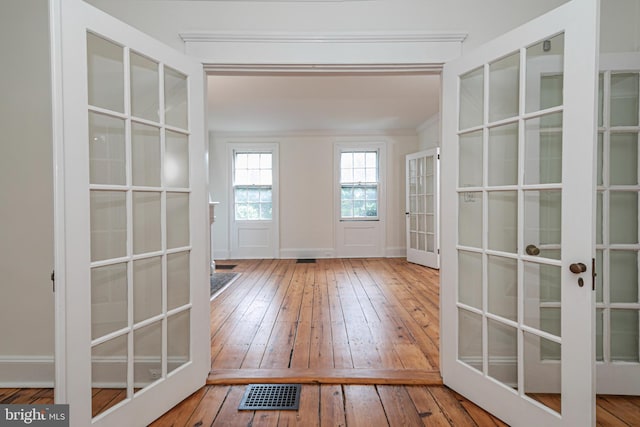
[(422, 204), (618, 216), (518, 233), (133, 299)]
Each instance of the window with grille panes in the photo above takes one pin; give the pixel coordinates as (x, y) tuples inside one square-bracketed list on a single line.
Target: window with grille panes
[(252, 185), (359, 184)]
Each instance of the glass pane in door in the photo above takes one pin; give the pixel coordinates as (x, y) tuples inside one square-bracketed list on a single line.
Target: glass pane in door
[(542, 372), (544, 89), (543, 150), (145, 155), (108, 224), (503, 155), (472, 98), (105, 73), (504, 84), (503, 287), (470, 340), (107, 150), (503, 346), (145, 102), (177, 280), (108, 374), (624, 99), (178, 333), (109, 300), (175, 98), (471, 156), (147, 355)]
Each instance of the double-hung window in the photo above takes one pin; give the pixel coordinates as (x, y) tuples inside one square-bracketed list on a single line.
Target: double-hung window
[(253, 185), (359, 185)]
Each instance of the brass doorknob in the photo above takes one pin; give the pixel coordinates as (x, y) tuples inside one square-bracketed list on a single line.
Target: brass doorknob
[(532, 250), (578, 268)]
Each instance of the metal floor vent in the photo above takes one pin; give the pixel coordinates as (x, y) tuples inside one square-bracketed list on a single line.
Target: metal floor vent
[(271, 397), (306, 261)]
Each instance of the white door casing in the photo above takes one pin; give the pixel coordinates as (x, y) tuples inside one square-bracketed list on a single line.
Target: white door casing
[(176, 204), (423, 207), (474, 255)]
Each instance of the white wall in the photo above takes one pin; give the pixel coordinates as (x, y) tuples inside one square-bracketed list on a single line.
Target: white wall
[(306, 191), (429, 133), (26, 210), (483, 20), (619, 26)]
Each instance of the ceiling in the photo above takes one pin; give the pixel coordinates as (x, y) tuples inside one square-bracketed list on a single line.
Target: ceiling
[(335, 103)]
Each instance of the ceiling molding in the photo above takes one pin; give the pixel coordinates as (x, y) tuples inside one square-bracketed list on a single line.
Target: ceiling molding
[(315, 133), (362, 50), (266, 69), (345, 37)]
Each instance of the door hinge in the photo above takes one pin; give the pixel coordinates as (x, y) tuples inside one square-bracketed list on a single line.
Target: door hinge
[(438, 156), (53, 280), (438, 251)]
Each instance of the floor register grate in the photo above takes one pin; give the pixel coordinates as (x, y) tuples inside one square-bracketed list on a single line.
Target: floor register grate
[(271, 397)]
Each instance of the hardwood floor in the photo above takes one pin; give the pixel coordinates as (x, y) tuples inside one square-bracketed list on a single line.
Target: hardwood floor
[(334, 405), (362, 336), (353, 314)]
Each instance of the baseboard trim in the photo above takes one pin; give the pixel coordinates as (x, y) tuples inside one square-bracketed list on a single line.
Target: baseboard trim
[(27, 371), (295, 253)]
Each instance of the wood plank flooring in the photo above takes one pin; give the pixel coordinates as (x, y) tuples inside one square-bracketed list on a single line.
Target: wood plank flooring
[(362, 336), (364, 315)]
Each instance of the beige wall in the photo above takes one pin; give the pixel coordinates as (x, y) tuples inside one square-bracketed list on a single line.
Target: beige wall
[(26, 211)]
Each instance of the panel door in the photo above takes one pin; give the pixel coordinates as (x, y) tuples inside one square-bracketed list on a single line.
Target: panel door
[(518, 324), (422, 204), (133, 299)]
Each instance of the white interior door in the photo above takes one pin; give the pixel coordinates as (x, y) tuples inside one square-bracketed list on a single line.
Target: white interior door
[(422, 204), (133, 305), (518, 324)]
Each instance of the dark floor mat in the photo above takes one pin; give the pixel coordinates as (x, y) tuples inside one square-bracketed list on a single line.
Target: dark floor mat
[(219, 280)]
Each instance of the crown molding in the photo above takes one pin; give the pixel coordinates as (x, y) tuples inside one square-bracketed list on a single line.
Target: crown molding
[(353, 51), (258, 69), (335, 37), (321, 133)]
